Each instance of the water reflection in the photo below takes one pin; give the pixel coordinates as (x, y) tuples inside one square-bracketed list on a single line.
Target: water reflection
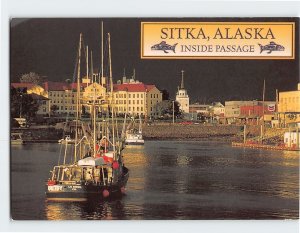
[(170, 180), (106, 210)]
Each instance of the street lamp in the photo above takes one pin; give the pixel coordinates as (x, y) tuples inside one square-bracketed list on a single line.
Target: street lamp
[(21, 105), (173, 110)]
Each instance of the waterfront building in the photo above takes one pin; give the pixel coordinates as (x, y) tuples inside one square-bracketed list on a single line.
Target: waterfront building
[(218, 109), (38, 93), (132, 97), (63, 95), (203, 109), (289, 107), (30, 88), (182, 97), (249, 111), (137, 99), (44, 104)]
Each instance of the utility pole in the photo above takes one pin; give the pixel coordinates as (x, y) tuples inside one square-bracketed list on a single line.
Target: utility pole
[(173, 103)]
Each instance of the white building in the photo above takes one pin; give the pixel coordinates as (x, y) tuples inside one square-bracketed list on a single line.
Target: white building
[(182, 97)]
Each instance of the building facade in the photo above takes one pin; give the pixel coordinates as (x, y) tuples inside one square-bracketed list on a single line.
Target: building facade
[(137, 99), (289, 107), (182, 97)]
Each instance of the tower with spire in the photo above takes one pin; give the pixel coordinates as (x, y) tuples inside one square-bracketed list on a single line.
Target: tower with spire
[(182, 97)]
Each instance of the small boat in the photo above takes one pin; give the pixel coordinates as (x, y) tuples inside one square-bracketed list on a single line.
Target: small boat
[(65, 140), (16, 139), (134, 136)]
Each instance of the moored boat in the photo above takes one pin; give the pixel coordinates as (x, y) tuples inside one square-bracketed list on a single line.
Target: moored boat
[(16, 139), (95, 169), (134, 136)]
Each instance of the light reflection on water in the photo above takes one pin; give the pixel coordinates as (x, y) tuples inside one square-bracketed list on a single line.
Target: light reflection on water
[(170, 180)]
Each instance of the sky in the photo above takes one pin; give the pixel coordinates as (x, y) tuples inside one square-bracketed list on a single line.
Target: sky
[(49, 47)]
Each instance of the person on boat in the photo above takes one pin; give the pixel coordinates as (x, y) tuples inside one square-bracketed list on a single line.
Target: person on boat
[(104, 144)]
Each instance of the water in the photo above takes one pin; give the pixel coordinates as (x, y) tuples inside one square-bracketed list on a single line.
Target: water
[(169, 180)]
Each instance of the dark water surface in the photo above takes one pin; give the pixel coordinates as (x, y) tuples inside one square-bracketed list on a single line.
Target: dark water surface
[(169, 180)]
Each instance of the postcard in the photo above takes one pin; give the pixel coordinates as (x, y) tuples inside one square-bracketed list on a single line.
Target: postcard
[(154, 118)]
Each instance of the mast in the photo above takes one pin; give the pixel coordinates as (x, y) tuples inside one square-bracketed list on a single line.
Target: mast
[(78, 95), (92, 71), (102, 54), (93, 106), (111, 93), (263, 121), (87, 63)]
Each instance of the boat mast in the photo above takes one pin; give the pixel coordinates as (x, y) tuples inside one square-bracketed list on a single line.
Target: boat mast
[(111, 93), (87, 63), (78, 94), (93, 106), (101, 55), (263, 120)]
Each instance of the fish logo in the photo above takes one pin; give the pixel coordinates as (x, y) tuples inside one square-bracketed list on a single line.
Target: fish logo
[(271, 47), (164, 47)]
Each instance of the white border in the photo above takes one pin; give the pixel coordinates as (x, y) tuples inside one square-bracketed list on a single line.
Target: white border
[(124, 8)]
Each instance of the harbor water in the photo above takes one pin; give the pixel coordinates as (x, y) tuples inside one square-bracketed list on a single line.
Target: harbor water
[(169, 180)]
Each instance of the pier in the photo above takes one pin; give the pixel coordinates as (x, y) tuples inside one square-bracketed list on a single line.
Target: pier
[(263, 146)]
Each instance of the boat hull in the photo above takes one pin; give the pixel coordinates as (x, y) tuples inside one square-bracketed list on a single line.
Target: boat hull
[(134, 142), (85, 191)]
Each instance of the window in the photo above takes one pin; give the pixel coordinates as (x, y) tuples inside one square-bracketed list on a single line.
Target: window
[(142, 109), (133, 101), (138, 109), (141, 101), (137, 96), (137, 101), (133, 96), (133, 108), (129, 101), (129, 95)]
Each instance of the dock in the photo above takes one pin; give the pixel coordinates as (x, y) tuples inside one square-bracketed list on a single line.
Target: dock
[(263, 146)]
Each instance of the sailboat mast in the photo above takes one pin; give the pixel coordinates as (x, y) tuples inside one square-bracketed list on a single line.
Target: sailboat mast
[(101, 54), (87, 62), (78, 95), (93, 106), (111, 93)]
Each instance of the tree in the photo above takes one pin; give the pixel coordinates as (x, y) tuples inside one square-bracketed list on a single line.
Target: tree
[(165, 94), (31, 78), (53, 109), (22, 104), (165, 109)]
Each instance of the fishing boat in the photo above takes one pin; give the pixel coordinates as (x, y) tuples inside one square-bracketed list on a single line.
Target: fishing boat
[(16, 139), (134, 136), (95, 169)]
